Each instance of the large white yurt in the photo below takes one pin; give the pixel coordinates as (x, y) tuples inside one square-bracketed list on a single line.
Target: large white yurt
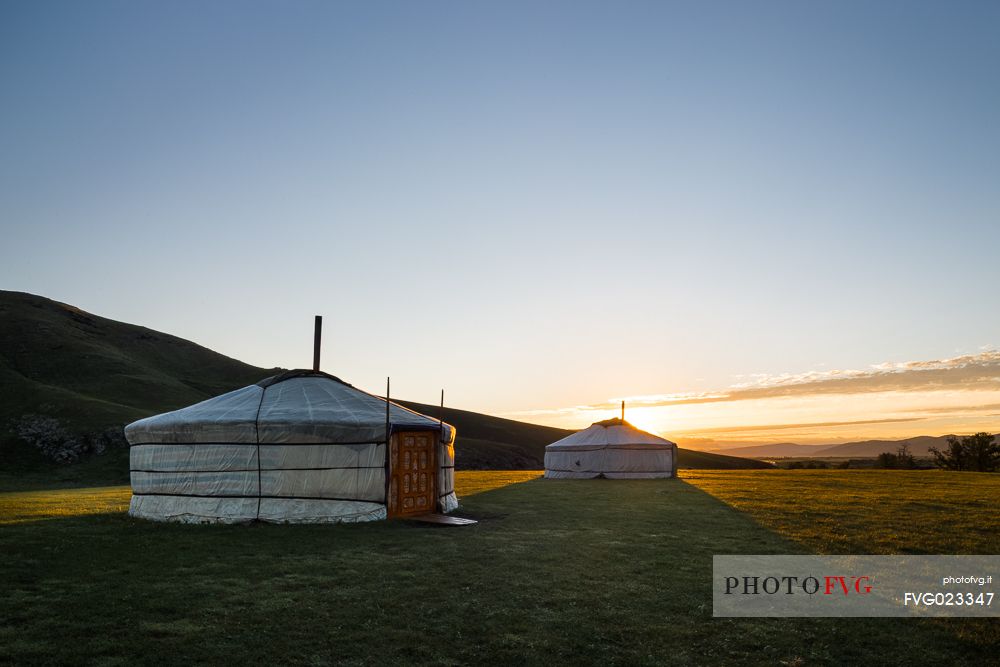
[(300, 447), (614, 449)]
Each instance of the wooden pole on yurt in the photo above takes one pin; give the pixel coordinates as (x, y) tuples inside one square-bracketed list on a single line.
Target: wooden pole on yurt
[(441, 417), (317, 337), (387, 412), (388, 450), (623, 411)]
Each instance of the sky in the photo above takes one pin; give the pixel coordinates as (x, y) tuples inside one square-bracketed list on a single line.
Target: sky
[(791, 207)]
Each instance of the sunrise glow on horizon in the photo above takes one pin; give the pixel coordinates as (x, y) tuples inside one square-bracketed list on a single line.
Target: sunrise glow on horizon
[(951, 396)]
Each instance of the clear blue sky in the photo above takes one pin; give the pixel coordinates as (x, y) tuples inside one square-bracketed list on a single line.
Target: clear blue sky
[(531, 204)]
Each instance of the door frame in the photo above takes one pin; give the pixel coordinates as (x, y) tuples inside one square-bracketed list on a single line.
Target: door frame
[(393, 502)]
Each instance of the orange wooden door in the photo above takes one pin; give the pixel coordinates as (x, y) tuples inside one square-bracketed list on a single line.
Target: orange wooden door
[(412, 473)]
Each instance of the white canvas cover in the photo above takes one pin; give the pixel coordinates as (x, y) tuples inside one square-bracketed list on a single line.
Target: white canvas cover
[(614, 449), (301, 447)]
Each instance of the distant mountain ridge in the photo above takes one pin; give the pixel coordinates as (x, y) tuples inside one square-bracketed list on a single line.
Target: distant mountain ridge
[(92, 372), (919, 446)]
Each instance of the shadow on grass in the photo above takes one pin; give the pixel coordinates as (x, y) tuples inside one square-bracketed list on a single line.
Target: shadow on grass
[(692, 514)]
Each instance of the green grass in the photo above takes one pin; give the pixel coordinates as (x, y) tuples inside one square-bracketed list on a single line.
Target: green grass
[(31, 506), (557, 571), (867, 511)]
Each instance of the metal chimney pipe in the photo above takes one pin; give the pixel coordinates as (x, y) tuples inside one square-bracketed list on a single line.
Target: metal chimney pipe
[(317, 337)]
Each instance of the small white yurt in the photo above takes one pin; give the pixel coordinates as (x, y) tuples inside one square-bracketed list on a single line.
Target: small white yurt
[(614, 449), (300, 447)]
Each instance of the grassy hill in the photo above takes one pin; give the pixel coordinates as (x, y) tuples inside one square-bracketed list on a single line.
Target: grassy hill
[(778, 449), (690, 459), (92, 373), (493, 443)]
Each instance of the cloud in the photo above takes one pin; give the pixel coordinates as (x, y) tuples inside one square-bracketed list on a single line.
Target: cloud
[(967, 409), (971, 372)]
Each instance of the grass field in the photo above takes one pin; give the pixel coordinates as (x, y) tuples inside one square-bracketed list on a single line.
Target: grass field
[(588, 572)]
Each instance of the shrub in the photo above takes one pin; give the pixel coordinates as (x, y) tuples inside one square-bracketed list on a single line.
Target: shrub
[(979, 452), (110, 438), (902, 459), (61, 445), (886, 460)]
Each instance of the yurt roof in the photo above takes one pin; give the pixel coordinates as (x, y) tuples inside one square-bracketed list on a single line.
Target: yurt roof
[(295, 407), (610, 433)]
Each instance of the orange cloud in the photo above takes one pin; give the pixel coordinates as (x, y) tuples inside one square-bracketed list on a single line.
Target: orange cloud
[(974, 372)]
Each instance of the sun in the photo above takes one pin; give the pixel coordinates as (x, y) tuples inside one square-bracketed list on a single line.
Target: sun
[(648, 419)]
